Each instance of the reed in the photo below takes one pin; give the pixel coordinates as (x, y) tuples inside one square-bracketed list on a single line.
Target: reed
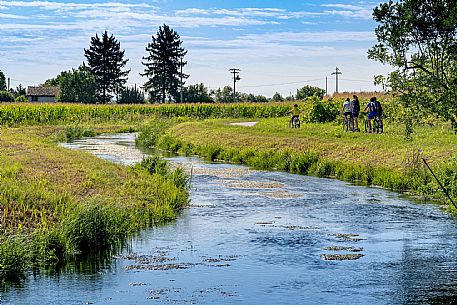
[(58, 204)]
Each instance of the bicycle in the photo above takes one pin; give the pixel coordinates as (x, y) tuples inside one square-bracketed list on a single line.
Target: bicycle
[(294, 123), (377, 125), (348, 123)]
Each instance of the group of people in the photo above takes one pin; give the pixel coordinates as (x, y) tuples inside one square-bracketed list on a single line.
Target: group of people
[(351, 112)]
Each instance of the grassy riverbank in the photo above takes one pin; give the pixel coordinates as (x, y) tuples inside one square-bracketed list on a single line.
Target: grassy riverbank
[(324, 150), (56, 203)]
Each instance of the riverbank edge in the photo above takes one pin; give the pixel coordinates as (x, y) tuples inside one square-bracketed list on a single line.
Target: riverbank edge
[(413, 181), (48, 224)]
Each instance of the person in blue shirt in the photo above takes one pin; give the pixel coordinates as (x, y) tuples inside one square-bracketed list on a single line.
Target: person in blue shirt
[(372, 110)]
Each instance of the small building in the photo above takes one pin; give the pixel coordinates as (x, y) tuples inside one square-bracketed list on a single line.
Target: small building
[(44, 94)]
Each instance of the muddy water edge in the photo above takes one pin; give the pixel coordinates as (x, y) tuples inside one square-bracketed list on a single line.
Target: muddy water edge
[(259, 237)]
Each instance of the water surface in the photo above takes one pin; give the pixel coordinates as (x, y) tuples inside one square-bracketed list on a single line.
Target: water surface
[(259, 237)]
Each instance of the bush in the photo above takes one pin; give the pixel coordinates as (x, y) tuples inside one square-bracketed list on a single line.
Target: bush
[(5, 96), (21, 99), (321, 111)]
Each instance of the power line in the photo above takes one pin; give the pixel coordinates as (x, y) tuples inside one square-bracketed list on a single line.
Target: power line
[(356, 80), (282, 84)]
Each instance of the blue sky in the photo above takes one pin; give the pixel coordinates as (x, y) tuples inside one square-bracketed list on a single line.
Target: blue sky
[(278, 45)]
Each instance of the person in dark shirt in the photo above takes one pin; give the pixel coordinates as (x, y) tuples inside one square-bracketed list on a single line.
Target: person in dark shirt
[(356, 112)]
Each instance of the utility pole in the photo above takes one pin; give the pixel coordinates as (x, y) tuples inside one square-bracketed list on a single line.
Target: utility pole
[(326, 85), (336, 73), (236, 77), (9, 84), (181, 79)]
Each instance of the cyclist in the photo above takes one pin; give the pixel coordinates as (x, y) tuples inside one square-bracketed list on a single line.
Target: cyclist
[(372, 111), (295, 114), (355, 112), (347, 112), (379, 108)]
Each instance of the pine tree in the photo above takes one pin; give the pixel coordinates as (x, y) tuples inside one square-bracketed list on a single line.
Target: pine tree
[(164, 64), (2, 81), (131, 96), (106, 60)]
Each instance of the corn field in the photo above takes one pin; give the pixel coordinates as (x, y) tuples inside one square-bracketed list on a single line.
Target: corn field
[(54, 114)]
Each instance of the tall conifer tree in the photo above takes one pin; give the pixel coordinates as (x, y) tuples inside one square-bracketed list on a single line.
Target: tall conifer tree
[(106, 61), (164, 63), (2, 81)]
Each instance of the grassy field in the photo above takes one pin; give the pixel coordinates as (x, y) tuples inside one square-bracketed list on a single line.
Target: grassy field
[(387, 160), (328, 140), (56, 203)]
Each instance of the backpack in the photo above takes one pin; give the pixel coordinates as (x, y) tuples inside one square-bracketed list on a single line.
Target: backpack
[(356, 106), (378, 107)]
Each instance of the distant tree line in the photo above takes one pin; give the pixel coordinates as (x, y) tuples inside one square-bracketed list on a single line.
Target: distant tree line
[(12, 95)]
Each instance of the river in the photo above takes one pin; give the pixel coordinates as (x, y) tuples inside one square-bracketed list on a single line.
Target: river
[(260, 237)]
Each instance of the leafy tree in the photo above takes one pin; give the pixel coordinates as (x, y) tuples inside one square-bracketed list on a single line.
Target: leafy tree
[(277, 97), (261, 99), (77, 86), (19, 91), (225, 95), (419, 40), (131, 96), (197, 93), (164, 63), (106, 61), (6, 96), (2, 81), (251, 98), (55, 81), (308, 91)]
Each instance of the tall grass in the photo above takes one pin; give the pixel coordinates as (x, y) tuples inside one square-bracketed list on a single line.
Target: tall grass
[(86, 205)]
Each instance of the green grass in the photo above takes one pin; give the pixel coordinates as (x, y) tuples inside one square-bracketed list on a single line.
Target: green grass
[(387, 160), (56, 203)]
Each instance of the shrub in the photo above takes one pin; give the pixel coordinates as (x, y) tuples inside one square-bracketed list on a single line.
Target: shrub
[(21, 99), (320, 111), (5, 96)]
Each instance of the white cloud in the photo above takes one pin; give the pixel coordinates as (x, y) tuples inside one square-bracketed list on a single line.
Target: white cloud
[(346, 6), (361, 14), (350, 10), (249, 12), (11, 16), (70, 6)]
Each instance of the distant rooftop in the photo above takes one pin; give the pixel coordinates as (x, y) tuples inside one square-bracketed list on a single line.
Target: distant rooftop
[(43, 91)]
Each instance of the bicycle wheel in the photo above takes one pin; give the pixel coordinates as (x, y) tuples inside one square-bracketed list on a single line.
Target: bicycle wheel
[(376, 125), (366, 125), (381, 126)]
